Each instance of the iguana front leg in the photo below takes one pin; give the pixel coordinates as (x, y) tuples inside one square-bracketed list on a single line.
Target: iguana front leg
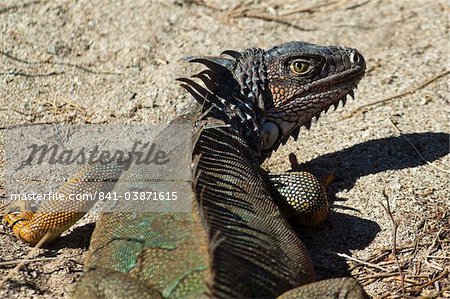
[(302, 197), (299, 195)]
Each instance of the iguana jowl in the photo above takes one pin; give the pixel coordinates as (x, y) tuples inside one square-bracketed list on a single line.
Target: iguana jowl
[(235, 243)]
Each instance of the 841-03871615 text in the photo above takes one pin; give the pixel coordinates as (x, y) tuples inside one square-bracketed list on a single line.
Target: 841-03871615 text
[(103, 196)]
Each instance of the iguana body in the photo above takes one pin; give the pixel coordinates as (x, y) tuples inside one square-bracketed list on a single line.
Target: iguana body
[(235, 243)]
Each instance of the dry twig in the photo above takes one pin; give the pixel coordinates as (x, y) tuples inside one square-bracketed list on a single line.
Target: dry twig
[(18, 6), (311, 9), (25, 260), (408, 91), (430, 282), (243, 11), (42, 259), (387, 208), (74, 65), (362, 262)]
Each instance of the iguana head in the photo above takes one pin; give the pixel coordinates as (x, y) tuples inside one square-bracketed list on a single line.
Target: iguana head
[(273, 93), (304, 80)]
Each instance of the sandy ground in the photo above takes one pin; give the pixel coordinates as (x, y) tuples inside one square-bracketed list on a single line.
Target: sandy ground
[(103, 62)]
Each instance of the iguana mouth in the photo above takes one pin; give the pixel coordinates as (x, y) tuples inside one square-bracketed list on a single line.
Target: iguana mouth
[(287, 126)]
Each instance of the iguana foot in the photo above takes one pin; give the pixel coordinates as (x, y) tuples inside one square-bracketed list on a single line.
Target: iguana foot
[(17, 214), (30, 227), (52, 218), (299, 195)]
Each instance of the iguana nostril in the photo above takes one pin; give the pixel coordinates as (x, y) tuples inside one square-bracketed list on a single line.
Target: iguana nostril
[(357, 58), (354, 58)]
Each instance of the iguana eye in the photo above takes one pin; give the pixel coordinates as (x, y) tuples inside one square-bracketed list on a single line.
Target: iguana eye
[(299, 67)]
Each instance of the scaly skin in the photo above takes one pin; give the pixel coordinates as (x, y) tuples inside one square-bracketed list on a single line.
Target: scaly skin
[(235, 242)]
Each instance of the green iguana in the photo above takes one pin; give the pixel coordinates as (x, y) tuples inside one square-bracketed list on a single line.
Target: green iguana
[(235, 242)]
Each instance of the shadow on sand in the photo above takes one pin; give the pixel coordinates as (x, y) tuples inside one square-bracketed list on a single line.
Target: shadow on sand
[(342, 233)]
